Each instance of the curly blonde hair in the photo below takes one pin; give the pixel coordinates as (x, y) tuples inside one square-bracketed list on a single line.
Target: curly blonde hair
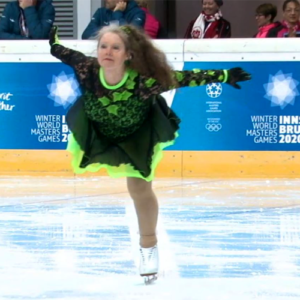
[(146, 59)]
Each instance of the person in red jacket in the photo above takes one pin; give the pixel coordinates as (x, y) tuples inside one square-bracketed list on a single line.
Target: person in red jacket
[(152, 26), (210, 23), (290, 26), (265, 15)]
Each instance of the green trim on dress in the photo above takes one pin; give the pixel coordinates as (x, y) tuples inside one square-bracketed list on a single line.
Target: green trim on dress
[(124, 170), (112, 87)]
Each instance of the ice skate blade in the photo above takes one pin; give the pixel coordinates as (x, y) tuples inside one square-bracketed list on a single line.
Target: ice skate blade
[(149, 278)]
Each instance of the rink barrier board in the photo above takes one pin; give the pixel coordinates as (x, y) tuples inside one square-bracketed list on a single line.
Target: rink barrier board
[(230, 164), (215, 163)]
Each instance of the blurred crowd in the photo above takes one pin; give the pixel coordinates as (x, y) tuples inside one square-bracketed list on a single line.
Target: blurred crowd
[(33, 19)]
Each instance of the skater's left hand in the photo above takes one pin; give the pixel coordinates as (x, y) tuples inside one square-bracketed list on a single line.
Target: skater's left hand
[(53, 37), (235, 75)]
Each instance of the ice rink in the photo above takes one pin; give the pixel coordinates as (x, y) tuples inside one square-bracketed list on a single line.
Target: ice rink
[(70, 238)]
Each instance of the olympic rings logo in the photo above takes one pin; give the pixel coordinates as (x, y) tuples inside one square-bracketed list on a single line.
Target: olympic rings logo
[(213, 127)]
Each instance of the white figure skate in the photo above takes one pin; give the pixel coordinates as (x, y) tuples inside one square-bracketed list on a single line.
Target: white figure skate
[(149, 264)]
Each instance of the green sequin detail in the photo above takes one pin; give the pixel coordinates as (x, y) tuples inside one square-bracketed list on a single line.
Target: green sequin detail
[(130, 84), (221, 78), (179, 76), (104, 100), (113, 109), (211, 73), (132, 74), (122, 96), (196, 71), (193, 83), (203, 82), (150, 82)]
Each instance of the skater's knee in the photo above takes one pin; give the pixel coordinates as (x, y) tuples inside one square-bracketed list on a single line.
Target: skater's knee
[(138, 187)]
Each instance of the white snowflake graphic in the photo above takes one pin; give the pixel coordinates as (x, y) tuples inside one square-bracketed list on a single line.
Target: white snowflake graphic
[(64, 89), (214, 90), (281, 89)]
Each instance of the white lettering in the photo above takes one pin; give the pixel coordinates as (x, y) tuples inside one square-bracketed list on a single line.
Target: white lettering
[(264, 119), (6, 107), (290, 129), (5, 96), (289, 120), (47, 118)]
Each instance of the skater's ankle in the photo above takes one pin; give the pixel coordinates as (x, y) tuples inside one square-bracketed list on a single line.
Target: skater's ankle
[(148, 241)]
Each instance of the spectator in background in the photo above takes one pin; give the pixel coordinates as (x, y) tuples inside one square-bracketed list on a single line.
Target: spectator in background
[(265, 15), (210, 23), (27, 19), (118, 12), (152, 26), (290, 26)]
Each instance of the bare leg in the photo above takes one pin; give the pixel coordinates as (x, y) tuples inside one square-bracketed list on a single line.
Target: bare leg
[(146, 207)]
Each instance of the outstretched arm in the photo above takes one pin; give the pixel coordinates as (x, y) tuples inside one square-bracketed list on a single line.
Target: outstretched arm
[(198, 77), (75, 59)]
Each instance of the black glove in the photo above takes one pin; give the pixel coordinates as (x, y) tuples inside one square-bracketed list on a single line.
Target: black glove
[(235, 75), (53, 37)]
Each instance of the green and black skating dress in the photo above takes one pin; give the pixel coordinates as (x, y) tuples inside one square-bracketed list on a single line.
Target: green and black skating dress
[(122, 128)]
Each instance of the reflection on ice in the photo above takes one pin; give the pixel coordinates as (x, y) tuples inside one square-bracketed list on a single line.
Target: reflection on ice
[(85, 249)]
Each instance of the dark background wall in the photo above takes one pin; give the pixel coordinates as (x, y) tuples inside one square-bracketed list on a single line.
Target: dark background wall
[(176, 14)]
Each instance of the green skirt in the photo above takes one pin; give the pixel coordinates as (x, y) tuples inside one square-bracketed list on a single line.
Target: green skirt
[(136, 155)]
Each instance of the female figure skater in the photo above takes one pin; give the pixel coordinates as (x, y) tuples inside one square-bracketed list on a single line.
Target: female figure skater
[(122, 124)]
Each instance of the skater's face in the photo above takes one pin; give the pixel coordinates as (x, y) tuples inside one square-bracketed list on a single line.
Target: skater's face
[(112, 52)]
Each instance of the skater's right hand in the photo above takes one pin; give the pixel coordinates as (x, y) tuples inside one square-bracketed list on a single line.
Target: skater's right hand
[(53, 37)]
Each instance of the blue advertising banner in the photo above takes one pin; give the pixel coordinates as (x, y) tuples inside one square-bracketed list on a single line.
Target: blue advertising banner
[(34, 98), (263, 115)]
